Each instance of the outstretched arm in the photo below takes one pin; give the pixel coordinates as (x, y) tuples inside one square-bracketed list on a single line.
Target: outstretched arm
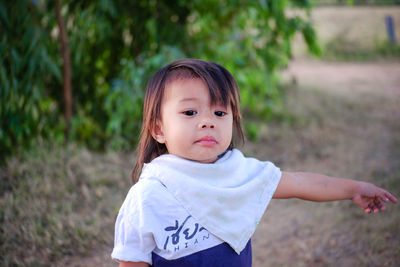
[(317, 187)]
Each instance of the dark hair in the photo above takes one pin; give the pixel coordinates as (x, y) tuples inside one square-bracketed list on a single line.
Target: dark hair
[(222, 87)]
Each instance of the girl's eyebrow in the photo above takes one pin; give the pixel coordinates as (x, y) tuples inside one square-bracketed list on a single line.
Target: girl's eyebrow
[(188, 99), (195, 99)]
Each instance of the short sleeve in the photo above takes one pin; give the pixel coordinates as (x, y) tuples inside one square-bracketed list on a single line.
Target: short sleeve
[(133, 240)]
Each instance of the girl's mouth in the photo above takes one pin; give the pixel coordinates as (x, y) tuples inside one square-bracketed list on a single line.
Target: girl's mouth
[(207, 141)]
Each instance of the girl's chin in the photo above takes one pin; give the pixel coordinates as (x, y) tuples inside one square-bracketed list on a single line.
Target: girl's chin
[(203, 160), (207, 161)]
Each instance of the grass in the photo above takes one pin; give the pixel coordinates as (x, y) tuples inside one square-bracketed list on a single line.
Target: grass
[(57, 202), (340, 49), (383, 233)]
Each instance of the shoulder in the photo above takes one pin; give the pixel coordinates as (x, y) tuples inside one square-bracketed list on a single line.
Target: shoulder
[(148, 196), (147, 188), (239, 158), (145, 192)]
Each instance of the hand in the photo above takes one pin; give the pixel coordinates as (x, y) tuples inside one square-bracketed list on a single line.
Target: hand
[(372, 198)]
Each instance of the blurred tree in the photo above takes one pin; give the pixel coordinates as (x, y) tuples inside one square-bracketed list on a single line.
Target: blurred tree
[(65, 54), (105, 37), (116, 46), (26, 66), (253, 40)]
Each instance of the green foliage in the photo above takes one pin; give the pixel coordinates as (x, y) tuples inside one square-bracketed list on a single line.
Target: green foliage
[(117, 45), (253, 41), (124, 102), (25, 67)]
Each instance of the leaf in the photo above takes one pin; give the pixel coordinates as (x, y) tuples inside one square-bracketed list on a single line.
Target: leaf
[(3, 16)]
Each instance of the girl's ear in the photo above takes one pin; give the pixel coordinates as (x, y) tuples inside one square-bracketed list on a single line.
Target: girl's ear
[(158, 134)]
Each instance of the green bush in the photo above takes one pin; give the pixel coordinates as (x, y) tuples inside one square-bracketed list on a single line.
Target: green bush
[(26, 65), (116, 46), (124, 102)]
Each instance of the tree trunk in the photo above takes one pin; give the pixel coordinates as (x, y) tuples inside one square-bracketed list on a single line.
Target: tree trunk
[(66, 69)]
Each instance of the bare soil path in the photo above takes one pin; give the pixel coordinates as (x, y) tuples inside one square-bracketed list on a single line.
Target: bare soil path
[(351, 128), (347, 123)]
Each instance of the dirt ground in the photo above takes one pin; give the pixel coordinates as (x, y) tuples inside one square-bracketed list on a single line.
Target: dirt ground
[(347, 124), (352, 130)]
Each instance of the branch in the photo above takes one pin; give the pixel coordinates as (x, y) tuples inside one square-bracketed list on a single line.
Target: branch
[(66, 68)]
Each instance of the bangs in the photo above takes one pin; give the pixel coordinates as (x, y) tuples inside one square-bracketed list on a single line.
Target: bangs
[(220, 87)]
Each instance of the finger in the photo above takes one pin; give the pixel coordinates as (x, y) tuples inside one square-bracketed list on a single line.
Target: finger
[(381, 207), (373, 208), (376, 209), (386, 196), (379, 204), (390, 197), (383, 198), (370, 208)]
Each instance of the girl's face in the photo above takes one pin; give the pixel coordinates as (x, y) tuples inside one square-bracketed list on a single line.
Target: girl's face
[(190, 126)]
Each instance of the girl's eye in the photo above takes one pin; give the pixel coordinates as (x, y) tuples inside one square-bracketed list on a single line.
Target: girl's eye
[(190, 112), (220, 113)]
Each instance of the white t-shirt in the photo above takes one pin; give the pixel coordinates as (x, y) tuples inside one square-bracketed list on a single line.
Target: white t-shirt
[(182, 211)]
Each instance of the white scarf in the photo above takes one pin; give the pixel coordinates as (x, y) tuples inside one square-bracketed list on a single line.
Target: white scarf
[(227, 197)]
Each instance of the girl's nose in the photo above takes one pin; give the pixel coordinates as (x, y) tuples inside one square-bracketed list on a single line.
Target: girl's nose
[(206, 122), (207, 125)]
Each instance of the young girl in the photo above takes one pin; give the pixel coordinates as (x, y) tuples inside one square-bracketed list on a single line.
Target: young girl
[(198, 200)]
